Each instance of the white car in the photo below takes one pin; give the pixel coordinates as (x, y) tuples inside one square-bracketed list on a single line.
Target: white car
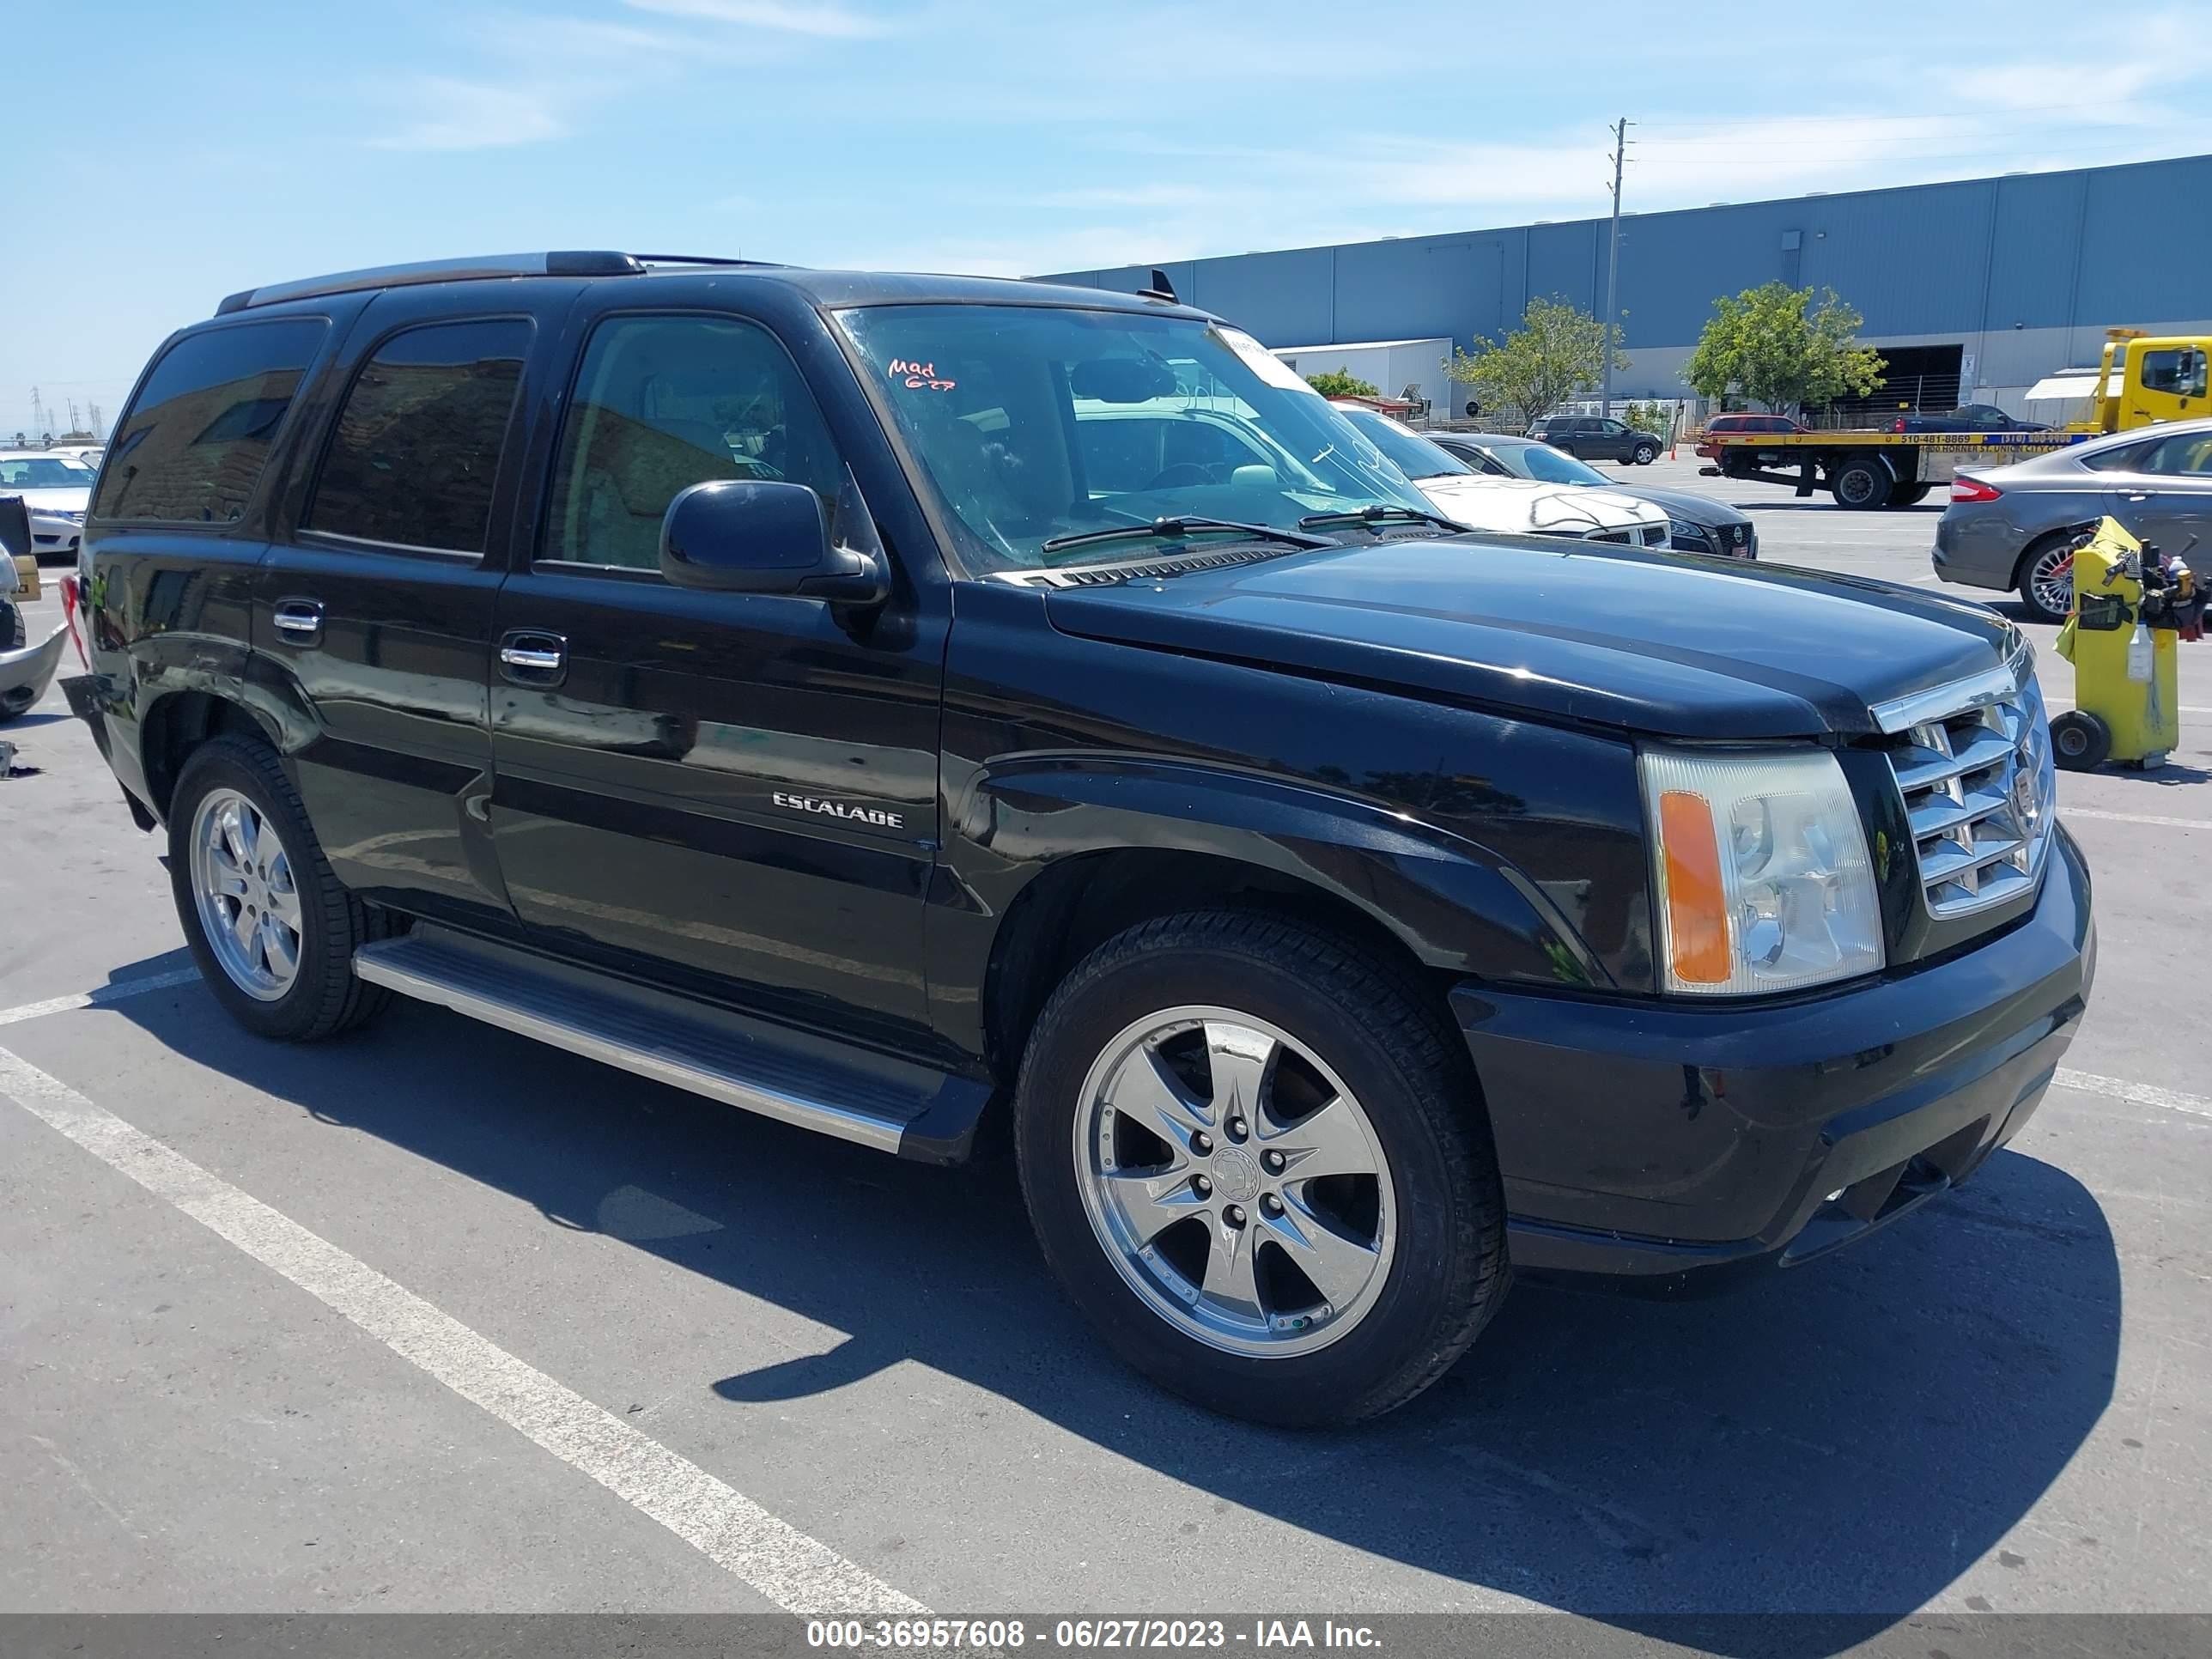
[(1524, 506), (86, 455), (56, 490)]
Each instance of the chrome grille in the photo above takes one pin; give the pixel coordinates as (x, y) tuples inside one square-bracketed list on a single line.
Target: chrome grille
[(1980, 790)]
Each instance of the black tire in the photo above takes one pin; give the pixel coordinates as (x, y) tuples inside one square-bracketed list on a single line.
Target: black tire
[(2024, 578), (324, 998), (2080, 742), (1908, 495), (1861, 484), (1645, 454), (14, 635), (1396, 1055)]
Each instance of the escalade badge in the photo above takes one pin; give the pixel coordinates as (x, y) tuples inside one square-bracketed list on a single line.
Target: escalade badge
[(838, 809)]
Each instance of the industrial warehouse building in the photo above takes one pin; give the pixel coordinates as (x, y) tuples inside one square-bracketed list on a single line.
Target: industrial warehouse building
[(1975, 289)]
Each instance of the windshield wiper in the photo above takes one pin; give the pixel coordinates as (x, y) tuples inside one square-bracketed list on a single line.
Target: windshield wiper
[(1178, 527), (1378, 513)]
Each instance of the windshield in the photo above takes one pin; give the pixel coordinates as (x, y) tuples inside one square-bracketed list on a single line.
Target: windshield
[(1547, 464), (1036, 422), (1409, 451), (43, 472)]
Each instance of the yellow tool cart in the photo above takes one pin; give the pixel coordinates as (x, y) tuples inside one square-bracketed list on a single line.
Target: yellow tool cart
[(2132, 605)]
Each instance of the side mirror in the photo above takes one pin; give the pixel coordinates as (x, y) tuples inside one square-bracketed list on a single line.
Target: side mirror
[(754, 536)]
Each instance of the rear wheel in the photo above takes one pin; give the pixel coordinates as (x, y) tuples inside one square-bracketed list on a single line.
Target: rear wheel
[(1255, 1161), (2046, 579), (1861, 484), (271, 928), (2080, 741)]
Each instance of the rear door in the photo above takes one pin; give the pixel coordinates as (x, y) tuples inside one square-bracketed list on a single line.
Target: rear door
[(732, 794), (375, 606)]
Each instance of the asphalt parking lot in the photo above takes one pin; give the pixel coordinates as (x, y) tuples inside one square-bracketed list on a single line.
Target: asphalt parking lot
[(434, 1318)]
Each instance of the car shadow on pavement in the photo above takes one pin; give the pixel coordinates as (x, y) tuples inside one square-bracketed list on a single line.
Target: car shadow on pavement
[(1844, 1437)]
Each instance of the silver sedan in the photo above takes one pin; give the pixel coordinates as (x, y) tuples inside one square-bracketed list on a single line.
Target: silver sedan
[(2011, 526)]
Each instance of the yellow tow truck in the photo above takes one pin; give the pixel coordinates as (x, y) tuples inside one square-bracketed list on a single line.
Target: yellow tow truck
[(2143, 381)]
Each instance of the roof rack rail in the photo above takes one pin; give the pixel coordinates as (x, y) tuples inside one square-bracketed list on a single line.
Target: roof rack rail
[(698, 259), (568, 263)]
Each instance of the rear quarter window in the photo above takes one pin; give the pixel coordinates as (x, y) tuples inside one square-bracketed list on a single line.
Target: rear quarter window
[(417, 445), (192, 446)]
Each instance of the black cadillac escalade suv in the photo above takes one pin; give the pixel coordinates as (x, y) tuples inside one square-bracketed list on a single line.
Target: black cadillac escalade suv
[(888, 703)]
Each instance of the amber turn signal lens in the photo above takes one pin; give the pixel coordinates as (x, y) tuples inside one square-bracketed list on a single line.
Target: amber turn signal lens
[(1697, 904)]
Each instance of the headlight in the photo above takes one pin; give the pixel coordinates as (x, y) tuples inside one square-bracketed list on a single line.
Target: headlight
[(1762, 882), (1681, 529), (56, 512)]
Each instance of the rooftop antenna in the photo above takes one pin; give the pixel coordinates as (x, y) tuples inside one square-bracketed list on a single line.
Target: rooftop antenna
[(1161, 288)]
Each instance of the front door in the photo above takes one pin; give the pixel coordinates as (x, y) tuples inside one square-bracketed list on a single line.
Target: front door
[(375, 606), (2165, 498), (732, 794)]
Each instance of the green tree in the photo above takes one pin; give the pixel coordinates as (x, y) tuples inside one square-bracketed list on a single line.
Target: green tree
[(1555, 353), (1785, 349), (1342, 383)]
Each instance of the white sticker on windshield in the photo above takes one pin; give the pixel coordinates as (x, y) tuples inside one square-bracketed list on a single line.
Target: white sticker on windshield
[(1263, 362)]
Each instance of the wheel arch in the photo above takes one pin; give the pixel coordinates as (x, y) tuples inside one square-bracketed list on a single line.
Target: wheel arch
[(174, 725), (1129, 844)]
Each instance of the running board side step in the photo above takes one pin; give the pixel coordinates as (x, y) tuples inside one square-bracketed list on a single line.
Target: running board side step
[(813, 1082)]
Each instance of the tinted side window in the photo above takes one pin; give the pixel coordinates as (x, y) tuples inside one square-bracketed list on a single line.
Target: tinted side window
[(192, 446), (417, 441), (2187, 455), (664, 403), (2124, 457)]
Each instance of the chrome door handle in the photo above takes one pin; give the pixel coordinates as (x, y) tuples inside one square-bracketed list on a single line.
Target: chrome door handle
[(299, 621), (523, 656)]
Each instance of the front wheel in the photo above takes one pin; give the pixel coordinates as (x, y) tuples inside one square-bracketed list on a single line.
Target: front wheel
[(1254, 1160), (271, 928), (1645, 454)]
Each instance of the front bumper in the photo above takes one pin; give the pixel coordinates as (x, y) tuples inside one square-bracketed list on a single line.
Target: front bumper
[(1664, 1143)]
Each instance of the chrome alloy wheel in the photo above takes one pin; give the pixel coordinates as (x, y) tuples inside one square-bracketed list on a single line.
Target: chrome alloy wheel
[(249, 906), (1235, 1183), (2051, 579)]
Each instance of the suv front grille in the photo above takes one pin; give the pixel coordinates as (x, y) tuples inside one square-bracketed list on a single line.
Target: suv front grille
[(1648, 535), (1980, 790)]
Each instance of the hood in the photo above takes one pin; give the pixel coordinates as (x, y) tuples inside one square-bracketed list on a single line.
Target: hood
[(1526, 506), (1594, 632), (53, 501), (1689, 505)]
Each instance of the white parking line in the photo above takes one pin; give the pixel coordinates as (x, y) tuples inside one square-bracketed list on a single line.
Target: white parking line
[(2135, 1094), (111, 993), (798, 1573), (2124, 818)]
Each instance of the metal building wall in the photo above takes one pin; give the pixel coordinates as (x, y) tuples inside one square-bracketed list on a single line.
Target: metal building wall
[(2025, 271)]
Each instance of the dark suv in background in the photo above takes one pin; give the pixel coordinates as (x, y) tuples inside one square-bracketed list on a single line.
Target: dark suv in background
[(812, 689), (1595, 438)]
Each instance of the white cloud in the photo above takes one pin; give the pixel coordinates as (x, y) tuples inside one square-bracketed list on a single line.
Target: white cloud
[(814, 17), (451, 113)]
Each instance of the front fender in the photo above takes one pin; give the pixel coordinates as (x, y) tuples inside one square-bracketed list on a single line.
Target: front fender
[(1457, 905)]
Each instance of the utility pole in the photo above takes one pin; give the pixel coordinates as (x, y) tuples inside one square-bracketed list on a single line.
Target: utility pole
[(1613, 261)]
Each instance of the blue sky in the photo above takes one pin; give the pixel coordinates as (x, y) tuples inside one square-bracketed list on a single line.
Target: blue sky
[(166, 154)]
